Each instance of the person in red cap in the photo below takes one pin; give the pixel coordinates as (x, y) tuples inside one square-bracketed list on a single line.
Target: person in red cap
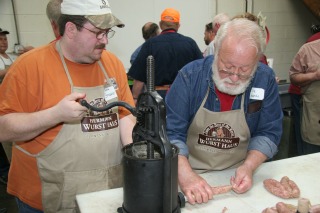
[(171, 52), (60, 148)]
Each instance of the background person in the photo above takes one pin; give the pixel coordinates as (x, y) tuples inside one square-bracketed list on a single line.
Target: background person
[(231, 92), (171, 52), (305, 72), (149, 30), (57, 141), (211, 31), (295, 96), (6, 59), (53, 12)]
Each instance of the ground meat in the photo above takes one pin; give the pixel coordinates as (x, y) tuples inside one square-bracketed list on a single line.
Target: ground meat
[(286, 188)]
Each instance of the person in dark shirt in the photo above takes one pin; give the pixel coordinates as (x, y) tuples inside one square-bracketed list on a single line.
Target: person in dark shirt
[(149, 30), (171, 52)]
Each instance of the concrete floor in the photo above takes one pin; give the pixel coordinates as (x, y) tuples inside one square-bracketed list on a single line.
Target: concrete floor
[(6, 200)]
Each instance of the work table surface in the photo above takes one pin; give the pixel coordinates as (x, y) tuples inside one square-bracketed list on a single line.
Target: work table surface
[(304, 170)]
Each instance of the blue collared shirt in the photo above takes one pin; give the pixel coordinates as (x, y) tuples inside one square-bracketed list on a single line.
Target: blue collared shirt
[(189, 89)]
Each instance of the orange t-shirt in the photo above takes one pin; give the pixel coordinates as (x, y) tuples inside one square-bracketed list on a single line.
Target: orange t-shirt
[(37, 81)]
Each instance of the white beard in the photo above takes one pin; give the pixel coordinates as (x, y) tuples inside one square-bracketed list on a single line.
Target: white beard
[(226, 85)]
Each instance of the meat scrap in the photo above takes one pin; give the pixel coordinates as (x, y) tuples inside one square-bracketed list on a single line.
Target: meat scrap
[(304, 206), (281, 208), (286, 188)]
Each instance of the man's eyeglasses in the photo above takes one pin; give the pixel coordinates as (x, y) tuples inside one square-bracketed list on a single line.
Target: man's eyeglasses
[(99, 35), (229, 73)]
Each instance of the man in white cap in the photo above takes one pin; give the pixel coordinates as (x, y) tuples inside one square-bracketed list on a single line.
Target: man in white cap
[(61, 149)]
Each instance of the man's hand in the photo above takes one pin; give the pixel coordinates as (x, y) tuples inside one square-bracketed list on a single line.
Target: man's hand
[(192, 185), (69, 109), (242, 181)]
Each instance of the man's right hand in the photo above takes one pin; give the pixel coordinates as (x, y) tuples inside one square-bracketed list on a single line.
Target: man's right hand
[(69, 109), (192, 185)]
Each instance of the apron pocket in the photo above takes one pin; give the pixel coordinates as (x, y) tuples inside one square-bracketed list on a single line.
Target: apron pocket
[(115, 176), (82, 182), (52, 185)]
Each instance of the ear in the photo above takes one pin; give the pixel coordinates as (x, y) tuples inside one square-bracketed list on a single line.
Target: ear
[(71, 29)]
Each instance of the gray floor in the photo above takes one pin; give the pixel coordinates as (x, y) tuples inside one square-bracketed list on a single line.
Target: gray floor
[(7, 201)]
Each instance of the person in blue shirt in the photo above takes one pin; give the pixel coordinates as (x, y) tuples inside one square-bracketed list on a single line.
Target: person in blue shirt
[(149, 30), (171, 51), (224, 111)]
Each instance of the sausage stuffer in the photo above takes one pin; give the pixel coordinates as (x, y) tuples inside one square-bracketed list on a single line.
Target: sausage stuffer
[(150, 163)]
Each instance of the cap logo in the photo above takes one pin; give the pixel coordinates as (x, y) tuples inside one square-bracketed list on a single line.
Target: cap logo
[(105, 5), (168, 18)]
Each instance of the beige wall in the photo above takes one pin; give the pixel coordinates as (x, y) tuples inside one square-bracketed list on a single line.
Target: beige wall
[(289, 23)]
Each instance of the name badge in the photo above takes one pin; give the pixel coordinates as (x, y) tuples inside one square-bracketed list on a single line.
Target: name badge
[(109, 93), (257, 94)]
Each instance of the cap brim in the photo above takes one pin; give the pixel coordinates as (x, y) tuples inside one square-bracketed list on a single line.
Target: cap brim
[(4, 32), (104, 21)]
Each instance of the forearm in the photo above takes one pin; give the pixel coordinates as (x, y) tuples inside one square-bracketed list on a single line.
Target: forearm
[(126, 125), (254, 159), (137, 88), (25, 126), (303, 79)]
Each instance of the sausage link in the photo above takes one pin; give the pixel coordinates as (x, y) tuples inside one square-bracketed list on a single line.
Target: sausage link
[(221, 189), (283, 208), (276, 188), (295, 189)]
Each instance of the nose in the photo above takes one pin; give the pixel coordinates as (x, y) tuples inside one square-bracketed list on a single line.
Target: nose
[(104, 39), (234, 77)]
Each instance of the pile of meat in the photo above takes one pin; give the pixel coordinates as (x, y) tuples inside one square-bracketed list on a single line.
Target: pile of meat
[(286, 188)]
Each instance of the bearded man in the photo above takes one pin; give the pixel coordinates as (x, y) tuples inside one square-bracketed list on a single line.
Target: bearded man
[(230, 92)]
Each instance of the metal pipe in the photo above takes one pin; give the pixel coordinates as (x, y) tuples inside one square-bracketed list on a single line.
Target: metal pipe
[(15, 22)]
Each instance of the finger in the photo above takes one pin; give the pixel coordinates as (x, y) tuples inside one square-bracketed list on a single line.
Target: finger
[(76, 96), (190, 197)]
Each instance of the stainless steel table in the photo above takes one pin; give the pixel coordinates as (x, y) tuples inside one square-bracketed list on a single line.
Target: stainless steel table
[(304, 170)]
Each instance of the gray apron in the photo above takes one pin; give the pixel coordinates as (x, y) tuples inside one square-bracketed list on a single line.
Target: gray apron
[(310, 120), (217, 140), (85, 156)]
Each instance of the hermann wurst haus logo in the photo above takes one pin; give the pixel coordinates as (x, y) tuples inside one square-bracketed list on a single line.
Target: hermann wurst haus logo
[(219, 136)]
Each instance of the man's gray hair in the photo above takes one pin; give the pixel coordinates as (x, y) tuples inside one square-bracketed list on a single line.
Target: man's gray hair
[(54, 10), (241, 29)]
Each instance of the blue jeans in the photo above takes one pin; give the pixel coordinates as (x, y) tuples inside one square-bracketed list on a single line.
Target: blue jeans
[(25, 208), (4, 163)]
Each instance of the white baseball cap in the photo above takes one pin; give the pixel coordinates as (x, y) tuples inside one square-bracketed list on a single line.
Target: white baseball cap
[(98, 12)]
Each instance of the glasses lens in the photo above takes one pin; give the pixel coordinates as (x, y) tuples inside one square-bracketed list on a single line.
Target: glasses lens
[(110, 33), (241, 76)]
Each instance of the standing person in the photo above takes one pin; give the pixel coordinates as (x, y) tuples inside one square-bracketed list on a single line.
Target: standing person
[(61, 149), (6, 59), (255, 19), (53, 12), (171, 52), (211, 31), (149, 30), (295, 96), (230, 93), (305, 72)]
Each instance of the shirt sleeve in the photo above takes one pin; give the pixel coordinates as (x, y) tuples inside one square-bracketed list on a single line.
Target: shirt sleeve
[(137, 70), (178, 113)]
